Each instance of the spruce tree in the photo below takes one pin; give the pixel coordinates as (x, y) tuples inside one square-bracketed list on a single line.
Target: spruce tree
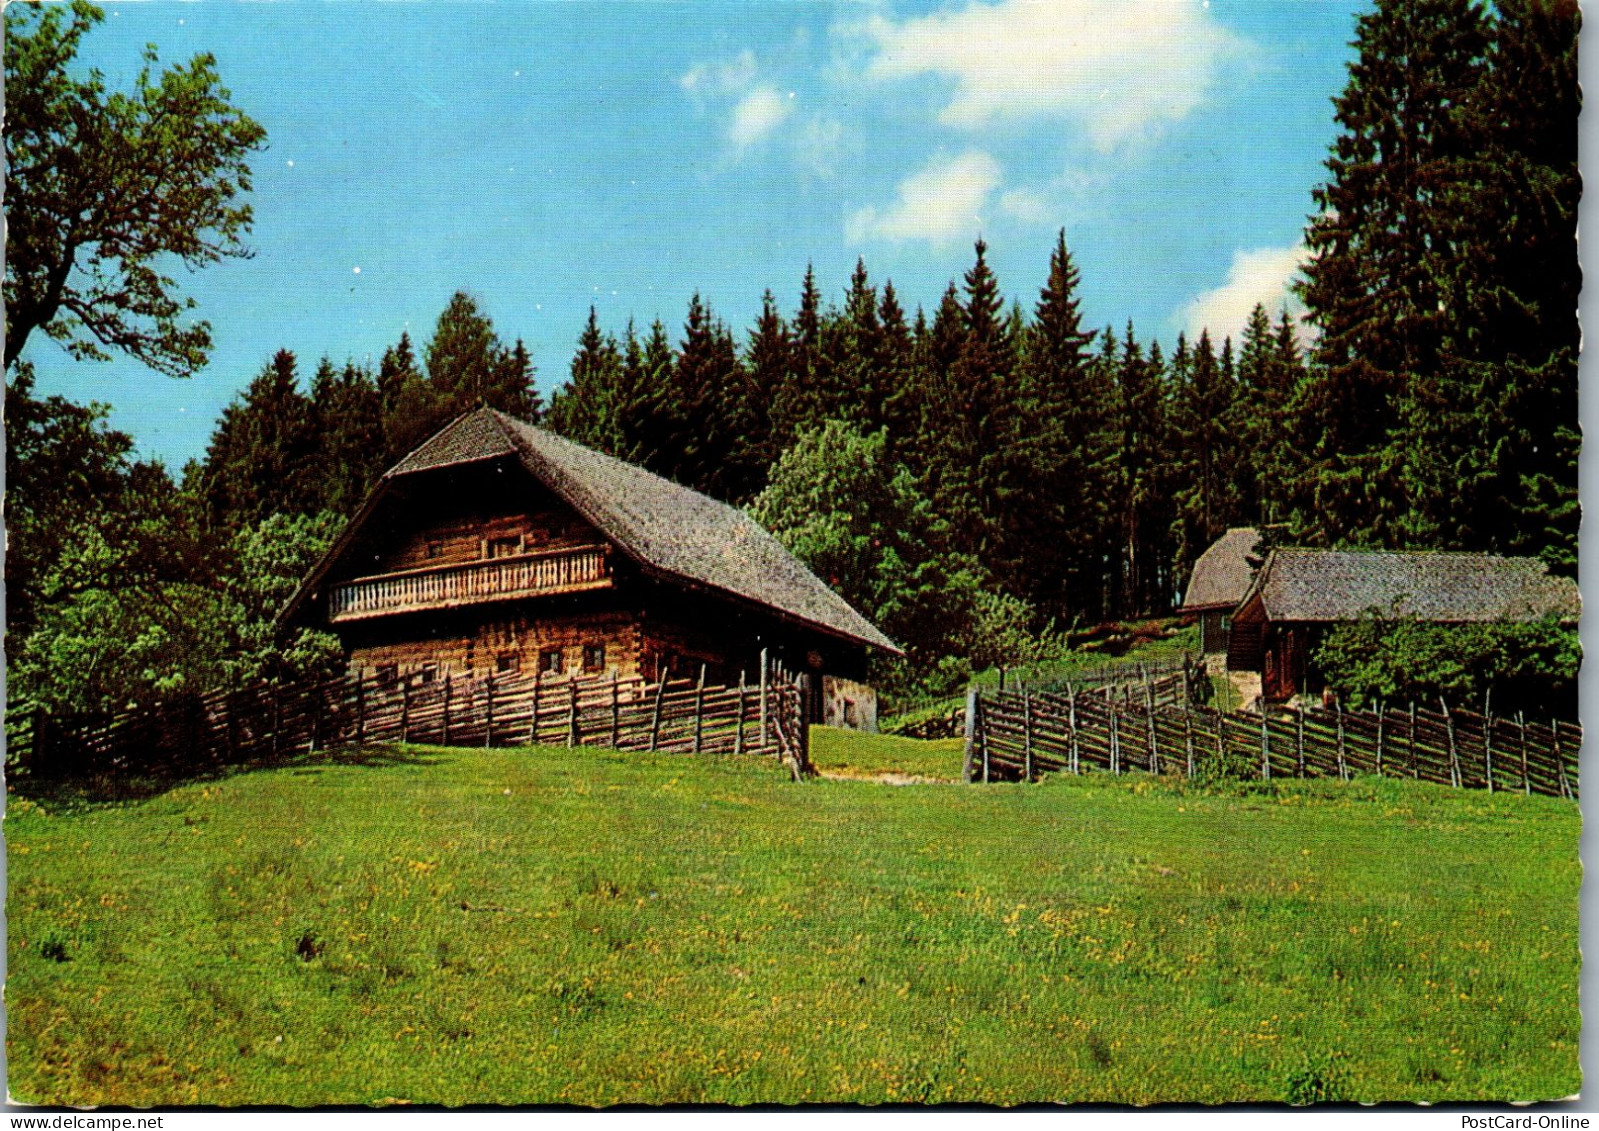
[(1374, 283)]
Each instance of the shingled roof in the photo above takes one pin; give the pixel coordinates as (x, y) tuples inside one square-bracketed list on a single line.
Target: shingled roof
[(1452, 588), (1223, 573), (665, 527)]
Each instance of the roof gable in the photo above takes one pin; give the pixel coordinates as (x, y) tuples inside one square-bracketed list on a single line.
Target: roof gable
[(1344, 585), (1222, 574), (665, 527)]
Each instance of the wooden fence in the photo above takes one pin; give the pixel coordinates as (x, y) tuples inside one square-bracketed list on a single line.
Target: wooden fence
[(268, 722), (1017, 736), (1173, 681)]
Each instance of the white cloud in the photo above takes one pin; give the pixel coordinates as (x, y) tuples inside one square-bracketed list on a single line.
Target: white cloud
[(757, 114), (822, 146), (1259, 276), (727, 77), (1116, 70), (940, 204), (1027, 205)]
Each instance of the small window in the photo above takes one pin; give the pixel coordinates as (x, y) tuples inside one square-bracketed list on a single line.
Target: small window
[(388, 675), (504, 547), (593, 657), (508, 663), (435, 550), (551, 662), (427, 673)]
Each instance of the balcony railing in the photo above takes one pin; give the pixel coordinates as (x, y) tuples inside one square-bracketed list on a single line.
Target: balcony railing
[(443, 587)]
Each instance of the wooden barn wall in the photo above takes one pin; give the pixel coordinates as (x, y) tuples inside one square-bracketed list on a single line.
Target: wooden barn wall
[(475, 650)]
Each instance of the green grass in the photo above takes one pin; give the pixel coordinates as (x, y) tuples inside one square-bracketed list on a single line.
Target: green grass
[(594, 928), (850, 754)]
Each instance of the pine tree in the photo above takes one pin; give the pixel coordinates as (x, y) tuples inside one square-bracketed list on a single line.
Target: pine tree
[(1054, 547), (260, 459), (769, 359), (1374, 284), (408, 402), (585, 408), (1203, 446), (346, 435)]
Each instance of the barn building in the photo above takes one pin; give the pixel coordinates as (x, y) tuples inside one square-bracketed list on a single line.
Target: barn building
[(1220, 579), (1298, 594), (497, 548)]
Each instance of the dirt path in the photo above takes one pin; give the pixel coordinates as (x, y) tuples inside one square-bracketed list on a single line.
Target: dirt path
[(882, 777)]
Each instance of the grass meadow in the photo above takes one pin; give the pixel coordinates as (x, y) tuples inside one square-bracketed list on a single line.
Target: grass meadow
[(587, 927)]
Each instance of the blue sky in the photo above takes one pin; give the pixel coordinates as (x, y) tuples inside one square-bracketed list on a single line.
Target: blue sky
[(546, 156)]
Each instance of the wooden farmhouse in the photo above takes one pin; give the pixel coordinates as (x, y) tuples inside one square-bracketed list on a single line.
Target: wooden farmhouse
[(1221, 577), (1298, 594), (499, 548)]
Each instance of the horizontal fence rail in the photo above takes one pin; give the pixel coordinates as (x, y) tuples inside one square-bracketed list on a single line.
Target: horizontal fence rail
[(267, 722), (1016, 736)]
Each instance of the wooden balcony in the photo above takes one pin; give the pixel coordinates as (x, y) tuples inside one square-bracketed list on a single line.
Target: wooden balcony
[(452, 586)]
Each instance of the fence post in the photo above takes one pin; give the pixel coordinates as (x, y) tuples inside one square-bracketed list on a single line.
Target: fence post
[(1560, 762), (1343, 766), (616, 712), (766, 737), (1071, 699), (802, 762), (1115, 738), (360, 711), (572, 735), (1027, 735), (488, 711), (699, 710), (277, 720), (1488, 746), (1265, 744), (448, 689), (1526, 778), (405, 709), (1299, 737), (982, 739), (1382, 718), (1149, 705), (1188, 734), (738, 720), (1415, 768), (971, 731), (655, 722), (314, 700), (1455, 777)]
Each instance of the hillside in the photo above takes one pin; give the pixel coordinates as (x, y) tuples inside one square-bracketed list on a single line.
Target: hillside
[(593, 928)]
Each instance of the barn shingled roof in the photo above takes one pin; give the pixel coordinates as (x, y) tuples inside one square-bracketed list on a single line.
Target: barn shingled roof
[(663, 525), (1342, 585), (1222, 574)]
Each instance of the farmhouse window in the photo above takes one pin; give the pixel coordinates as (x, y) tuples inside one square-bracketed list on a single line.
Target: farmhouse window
[(507, 662), (504, 547), (435, 550), (551, 661), (593, 657), (427, 673), (388, 675)]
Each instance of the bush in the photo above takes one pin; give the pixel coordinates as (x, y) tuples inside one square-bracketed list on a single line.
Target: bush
[(1526, 666)]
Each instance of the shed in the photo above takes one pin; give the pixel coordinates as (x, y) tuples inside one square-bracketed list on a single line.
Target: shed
[(1219, 582), (1299, 593)]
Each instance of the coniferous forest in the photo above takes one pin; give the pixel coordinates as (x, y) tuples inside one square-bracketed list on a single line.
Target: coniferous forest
[(978, 474)]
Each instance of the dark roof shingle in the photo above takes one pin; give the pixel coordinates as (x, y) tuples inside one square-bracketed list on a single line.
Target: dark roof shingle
[(1342, 585), (1222, 574)]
